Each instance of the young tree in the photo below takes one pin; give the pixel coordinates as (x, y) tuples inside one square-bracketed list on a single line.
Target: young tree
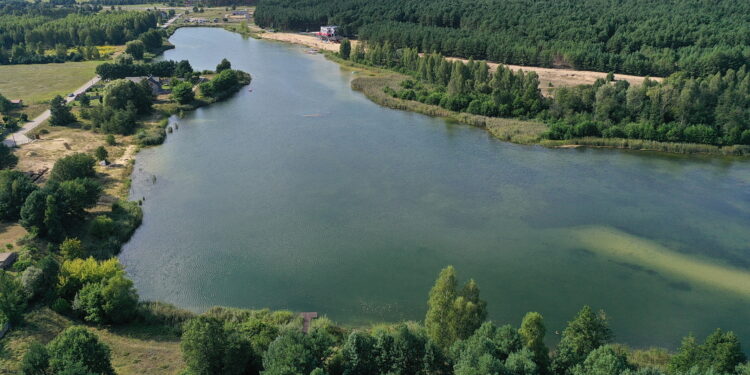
[(183, 92), (60, 112), (586, 332), (345, 49), (101, 153), (111, 140), (223, 65), (76, 346)]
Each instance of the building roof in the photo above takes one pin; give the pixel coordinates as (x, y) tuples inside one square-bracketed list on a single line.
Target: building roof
[(4, 257)]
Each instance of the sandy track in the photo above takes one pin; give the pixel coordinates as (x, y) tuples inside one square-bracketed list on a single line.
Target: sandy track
[(558, 77)]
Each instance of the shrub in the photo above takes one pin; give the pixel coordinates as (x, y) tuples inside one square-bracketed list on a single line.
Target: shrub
[(76, 346), (73, 166)]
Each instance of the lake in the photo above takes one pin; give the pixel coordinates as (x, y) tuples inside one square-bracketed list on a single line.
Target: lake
[(302, 194)]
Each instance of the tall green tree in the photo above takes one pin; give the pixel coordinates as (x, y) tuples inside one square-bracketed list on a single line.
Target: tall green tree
[(60, 112), (209, 348), (345, 49), (453, 315), (586, 332), (12, 297), (532, 333)]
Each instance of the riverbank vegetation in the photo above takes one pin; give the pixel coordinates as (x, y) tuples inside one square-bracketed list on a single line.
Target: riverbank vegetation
[(95, 304), (633, 36), (709, 113)]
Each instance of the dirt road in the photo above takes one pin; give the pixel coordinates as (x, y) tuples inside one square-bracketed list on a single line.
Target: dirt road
[(19, 136)]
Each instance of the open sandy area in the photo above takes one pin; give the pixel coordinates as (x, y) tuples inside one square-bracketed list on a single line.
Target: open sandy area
[(558, 77)]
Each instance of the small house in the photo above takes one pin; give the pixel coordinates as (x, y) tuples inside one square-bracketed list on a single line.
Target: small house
[(7, 259), (329, 33), (153, 82), (17, 102)]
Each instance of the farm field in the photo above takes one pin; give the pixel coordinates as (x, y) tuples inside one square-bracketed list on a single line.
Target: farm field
[(38, 83)]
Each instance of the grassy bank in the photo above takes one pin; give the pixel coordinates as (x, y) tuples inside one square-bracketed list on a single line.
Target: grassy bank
[(372, 82)]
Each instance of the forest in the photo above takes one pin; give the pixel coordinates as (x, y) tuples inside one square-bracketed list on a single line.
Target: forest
[(639, 37), (40, 33), (712, 110)]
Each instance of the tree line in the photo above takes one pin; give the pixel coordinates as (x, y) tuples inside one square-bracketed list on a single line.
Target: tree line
[(454, 338), (26, 35), (631, 36), (713, 109)]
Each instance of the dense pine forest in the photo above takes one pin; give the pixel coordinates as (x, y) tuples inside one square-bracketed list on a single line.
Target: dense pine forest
[(42, 33), (640, 37)]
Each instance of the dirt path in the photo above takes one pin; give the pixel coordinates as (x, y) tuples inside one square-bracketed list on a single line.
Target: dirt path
[(19, 136), (557, 77)]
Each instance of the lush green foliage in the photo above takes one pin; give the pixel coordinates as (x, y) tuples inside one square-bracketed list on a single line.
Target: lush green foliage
[(586, 332), (12, 298), (631, 36), (74, 166), (224, 84), (15, 187), (223, 65), (182, 92), (210, 348), (720, 352), (60, 112), (453, 314), (76, 347), (26, 31), (7, 159), (124, 69), (710, 110)]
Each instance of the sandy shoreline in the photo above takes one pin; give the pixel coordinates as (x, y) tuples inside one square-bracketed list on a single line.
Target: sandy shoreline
[(558, 77)]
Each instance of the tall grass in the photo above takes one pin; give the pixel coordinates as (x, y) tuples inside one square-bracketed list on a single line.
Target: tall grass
[(646, 145)]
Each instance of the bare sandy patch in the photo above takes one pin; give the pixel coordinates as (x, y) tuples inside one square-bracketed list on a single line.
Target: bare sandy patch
[(547, 76)]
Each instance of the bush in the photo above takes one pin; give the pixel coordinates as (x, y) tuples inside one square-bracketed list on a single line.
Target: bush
[(74, 166), (183, 92), (78, 347)]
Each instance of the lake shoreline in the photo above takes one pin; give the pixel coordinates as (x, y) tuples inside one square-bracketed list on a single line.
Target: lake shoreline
[(504, 129)]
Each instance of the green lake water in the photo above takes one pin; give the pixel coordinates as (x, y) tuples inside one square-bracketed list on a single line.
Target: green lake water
[(304, 195)]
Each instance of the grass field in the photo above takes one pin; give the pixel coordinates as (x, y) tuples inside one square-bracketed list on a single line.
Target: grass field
[(38, 83), (136, 349)]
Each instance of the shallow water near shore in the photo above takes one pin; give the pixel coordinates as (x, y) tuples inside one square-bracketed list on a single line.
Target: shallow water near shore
[(301, 194)]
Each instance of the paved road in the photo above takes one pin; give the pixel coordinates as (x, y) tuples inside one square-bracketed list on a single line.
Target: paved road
[(19, 136)]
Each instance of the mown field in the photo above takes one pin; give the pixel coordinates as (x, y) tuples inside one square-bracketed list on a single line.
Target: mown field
[(38, 83)]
